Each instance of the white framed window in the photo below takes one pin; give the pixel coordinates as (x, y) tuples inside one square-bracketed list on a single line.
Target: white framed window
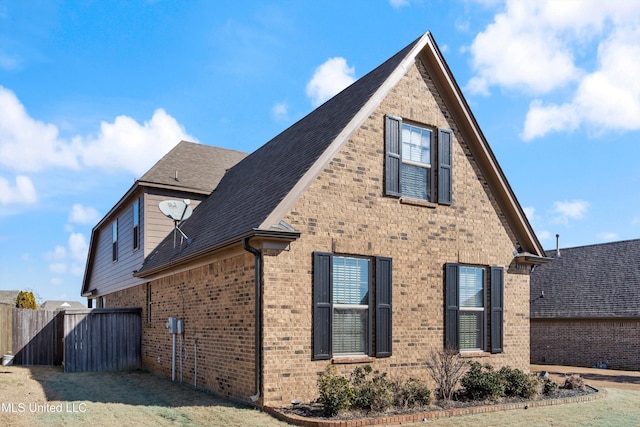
[(471, 285), (350, 299), (136, 224), (415, 173)]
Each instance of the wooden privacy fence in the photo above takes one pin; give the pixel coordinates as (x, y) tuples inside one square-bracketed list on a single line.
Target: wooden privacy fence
[(102, 339), (82, 340)]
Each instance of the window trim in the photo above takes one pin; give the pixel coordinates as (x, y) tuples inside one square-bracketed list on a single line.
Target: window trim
[(136, 225), (114, 240)]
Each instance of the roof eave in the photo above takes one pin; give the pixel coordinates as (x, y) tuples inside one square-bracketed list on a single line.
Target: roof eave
[(280, 235)]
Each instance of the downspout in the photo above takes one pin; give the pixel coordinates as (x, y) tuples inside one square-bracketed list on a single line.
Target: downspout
[(258, 314)]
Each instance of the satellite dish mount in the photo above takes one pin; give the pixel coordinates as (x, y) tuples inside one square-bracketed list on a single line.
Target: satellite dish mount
[(178, 211)]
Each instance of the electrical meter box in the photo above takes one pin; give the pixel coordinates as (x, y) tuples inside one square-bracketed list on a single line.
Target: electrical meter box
[(172, 325), (180, 326)]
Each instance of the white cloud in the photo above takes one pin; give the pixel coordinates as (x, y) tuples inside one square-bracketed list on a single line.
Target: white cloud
[(27, 144), (280, 111), (83, 214), (329, 79), (22, 193), (544, 119), (128, 145), (78, 247), (547, 46), (570, 210), (397, 4), (529, 212)]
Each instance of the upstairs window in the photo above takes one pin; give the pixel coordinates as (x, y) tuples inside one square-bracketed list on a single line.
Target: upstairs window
[(136, 224), (414, 168), (114, 241), (415, 173)]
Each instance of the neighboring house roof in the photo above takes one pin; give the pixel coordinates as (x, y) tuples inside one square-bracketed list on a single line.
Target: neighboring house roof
[(9, 297), (258, 192), (188, 167), (596, 281), (62, 305)]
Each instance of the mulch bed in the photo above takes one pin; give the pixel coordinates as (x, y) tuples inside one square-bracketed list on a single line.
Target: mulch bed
[(313, 410)]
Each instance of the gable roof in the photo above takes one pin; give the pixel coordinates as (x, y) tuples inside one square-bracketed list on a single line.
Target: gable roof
[(192, 167), (595, 281), (257, 192)]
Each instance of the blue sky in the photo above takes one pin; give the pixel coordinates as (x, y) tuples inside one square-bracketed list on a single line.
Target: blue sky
[(92, 93)]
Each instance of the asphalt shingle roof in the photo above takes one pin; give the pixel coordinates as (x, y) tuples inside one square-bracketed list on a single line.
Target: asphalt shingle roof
[(589, 281), (253, 188), (8, 297), (198, 166)]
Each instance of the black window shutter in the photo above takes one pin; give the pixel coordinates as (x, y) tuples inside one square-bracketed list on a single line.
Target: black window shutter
[(384, 290), (445, 163), (497, 298), (322, 288), (393, 162), (451, 306)]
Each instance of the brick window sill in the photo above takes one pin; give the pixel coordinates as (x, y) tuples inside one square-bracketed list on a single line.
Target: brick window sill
[(470, 354), (416, 202), (352, 359)]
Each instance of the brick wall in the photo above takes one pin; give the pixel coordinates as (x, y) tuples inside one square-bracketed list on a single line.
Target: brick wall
[(344, 211), (216, 302), (586, 342)]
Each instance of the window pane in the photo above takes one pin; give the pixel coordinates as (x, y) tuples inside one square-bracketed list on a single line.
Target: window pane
[(350, 327), (350, 281), (136, 213), (470, 332), (471, 282), (416, 144), (414, 181)]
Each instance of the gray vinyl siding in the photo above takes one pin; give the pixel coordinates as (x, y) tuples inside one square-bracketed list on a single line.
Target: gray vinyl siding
[(157, 226), (108, 276)]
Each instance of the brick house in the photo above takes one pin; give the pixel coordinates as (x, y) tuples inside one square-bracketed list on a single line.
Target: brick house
[(376, 229), (585, 307)]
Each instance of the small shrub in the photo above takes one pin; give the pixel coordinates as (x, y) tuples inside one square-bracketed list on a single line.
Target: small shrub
[(518, 383), (482, 382), (574, 382), (372, 390), (549, 387), (25, 299), (446, 368), (335, 392), (411, 393)]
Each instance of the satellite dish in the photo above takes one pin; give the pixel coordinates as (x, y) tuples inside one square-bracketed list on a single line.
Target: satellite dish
[(178, 211)]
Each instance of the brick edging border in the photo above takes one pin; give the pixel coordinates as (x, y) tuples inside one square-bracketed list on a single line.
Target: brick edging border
[(430, 415)]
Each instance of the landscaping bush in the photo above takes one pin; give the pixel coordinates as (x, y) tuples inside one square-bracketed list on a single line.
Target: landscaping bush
[(446, 368), (482, 382), (549, 386), (518, 383), (411, 393), (372, 390), (574, 382), (335, 392)]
